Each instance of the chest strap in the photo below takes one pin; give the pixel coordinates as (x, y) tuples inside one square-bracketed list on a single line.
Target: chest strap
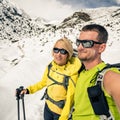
[(65, 78), (59, 103), (65, 84)]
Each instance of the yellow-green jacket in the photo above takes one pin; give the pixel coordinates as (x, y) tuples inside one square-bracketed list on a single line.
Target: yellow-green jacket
[(58, 92), (83, 108)]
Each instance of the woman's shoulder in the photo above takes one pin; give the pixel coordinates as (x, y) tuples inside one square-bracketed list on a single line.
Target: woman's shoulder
[(75, 60), (75, 63)]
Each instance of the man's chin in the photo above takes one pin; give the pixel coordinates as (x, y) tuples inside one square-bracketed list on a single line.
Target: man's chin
[(83, 59)]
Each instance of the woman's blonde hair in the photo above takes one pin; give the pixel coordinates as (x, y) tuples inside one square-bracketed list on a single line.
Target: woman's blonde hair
[(67, 45)]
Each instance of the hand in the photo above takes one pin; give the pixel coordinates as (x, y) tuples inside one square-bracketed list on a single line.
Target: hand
[(20, 92), (24, 91)]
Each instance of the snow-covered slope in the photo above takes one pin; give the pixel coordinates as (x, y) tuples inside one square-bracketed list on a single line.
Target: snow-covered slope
[(25, 50)]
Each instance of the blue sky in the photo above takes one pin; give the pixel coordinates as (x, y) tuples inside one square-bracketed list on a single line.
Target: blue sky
[(91, 3), (59, 9)]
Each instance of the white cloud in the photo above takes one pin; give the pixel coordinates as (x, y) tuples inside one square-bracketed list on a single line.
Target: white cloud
[(118, 1), (58, 9), (48, 9)]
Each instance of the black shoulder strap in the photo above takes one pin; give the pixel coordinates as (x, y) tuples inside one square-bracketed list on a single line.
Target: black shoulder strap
[(82, 68), (116, 65), (102, 72), (99, 82), (65, 83), (49, 66), (65, 79)]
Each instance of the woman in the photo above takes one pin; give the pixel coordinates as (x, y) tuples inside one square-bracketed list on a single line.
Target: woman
[(59, 78)]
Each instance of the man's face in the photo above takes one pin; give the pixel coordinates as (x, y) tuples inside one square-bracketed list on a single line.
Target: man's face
[(89, 53)]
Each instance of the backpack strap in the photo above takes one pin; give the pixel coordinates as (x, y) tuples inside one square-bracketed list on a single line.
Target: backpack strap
[(65, 83), (81, 68), (116, 65), (97, 97), (103, 71), (108, 115), (99, 82), (59, 103)]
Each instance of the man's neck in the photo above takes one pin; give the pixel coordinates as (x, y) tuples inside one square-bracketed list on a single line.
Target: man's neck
[(89, 65)]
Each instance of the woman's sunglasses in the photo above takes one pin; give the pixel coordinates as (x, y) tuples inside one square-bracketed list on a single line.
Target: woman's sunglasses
[(86, 43), (62, 51)]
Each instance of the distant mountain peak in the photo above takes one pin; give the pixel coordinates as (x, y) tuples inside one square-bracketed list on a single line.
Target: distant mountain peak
[(16, 24)]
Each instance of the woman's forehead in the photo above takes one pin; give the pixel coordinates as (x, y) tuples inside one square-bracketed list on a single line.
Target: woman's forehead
[(60, 44)]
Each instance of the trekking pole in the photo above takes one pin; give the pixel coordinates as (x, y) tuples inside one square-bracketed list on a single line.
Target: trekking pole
[(18, 102), (23, 105), (18, 109), (20, 96)]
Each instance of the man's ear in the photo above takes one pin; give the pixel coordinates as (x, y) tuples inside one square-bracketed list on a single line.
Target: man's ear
[(102, 47)]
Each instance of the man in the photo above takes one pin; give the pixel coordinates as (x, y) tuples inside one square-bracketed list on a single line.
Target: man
[(91, 43)]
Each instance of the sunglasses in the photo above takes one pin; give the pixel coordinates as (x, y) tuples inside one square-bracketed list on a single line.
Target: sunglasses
[(86, 43), (62, 51)]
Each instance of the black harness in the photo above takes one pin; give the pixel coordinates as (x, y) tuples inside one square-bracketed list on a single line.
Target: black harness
[(65, 83)]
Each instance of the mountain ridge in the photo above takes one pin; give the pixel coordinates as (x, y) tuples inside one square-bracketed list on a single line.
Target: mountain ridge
[(19, 32), (18, 24)]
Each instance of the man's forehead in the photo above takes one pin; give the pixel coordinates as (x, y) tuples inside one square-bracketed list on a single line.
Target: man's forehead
[(89, 34)]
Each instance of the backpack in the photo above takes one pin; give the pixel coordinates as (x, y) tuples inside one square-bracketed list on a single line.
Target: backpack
[(65, 83), (97, 97)]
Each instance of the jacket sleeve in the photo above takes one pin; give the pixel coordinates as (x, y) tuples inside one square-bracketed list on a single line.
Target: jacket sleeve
[(39, 85), (69, 98)]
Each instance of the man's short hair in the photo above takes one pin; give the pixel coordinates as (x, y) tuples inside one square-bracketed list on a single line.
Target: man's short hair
[(102, 32)]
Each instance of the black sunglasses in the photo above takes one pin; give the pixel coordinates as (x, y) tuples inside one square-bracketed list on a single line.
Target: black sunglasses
[(87, 43), (62, 51)]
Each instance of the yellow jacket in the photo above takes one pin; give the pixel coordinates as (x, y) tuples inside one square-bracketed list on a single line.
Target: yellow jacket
[(58, 92)]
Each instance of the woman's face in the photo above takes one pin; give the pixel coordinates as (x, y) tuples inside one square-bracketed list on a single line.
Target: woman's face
[(60, 55)]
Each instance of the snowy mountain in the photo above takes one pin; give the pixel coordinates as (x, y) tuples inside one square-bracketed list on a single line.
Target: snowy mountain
[(15, 23), (25, 50)]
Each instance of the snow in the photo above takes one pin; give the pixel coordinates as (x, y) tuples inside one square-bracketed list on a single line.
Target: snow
[(28, 71), (23, 63)]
